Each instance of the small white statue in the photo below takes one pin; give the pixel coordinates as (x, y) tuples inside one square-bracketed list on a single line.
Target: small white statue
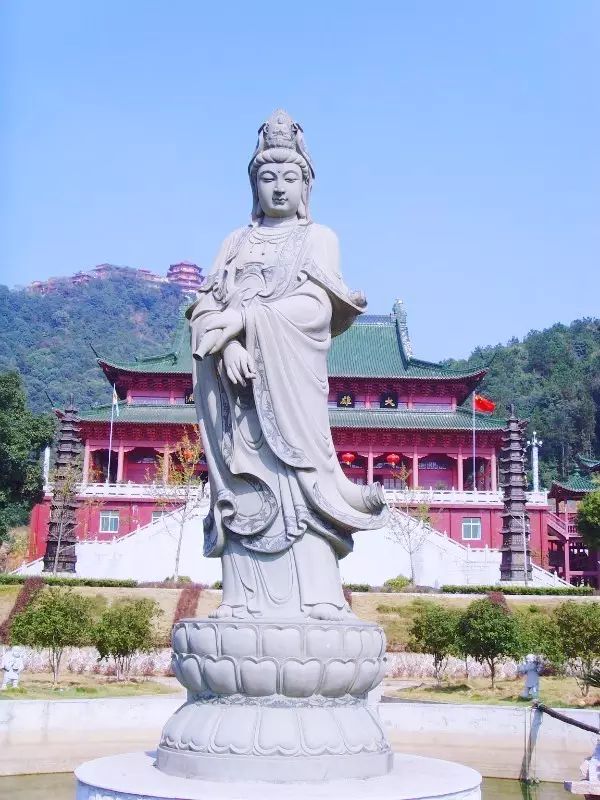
[(12, 665), (531, 668)]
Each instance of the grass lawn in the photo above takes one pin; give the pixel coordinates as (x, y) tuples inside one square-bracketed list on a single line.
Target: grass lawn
[(555, 692), (74, 687)]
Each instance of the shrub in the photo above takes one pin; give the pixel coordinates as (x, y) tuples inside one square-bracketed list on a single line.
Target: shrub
[(123, 630), (534, 590), (489, 633), (434, 631), (217, 585), (357, 587), (578, 629), (397, 584), (52, 580), (30, 590), (54, 620)]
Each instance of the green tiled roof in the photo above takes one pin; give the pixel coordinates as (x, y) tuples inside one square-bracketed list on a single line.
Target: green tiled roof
[(178, 361), (459, 420), (575, 483), (143, 414), (375, 346), (592, 464)]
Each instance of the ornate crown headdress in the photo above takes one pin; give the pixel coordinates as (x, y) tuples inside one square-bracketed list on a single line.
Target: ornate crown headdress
[(281, 131)]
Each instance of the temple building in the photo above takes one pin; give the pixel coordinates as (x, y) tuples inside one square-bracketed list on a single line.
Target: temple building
[(568, 554), (395, 418)]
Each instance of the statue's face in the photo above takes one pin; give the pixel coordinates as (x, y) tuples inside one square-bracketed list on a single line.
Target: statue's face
[(279, 189)]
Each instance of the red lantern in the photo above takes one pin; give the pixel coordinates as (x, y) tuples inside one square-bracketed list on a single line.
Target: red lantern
[(393, 459), (188, 455), (348, 458)]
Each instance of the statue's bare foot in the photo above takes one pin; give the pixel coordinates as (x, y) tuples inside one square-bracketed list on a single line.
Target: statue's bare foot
[(326, 611), (222, 612)]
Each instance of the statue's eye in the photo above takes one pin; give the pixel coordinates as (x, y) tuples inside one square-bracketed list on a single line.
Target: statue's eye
[(290, 177)]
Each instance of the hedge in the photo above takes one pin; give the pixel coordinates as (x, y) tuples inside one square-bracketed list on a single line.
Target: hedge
[(357, 587), (539, 590), (61, 581)]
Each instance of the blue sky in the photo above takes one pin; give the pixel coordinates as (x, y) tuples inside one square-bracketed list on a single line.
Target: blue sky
[(456, 145)]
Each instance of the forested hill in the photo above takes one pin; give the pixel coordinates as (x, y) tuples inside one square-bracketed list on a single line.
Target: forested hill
[(552, 376), (48, 337)]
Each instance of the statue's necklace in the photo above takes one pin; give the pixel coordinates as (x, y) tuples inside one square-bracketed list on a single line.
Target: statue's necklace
[(260, 239)]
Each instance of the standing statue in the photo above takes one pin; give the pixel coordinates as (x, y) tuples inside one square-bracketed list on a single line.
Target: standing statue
[(278, 677), (531, 668), (283, 512), (12, 666)]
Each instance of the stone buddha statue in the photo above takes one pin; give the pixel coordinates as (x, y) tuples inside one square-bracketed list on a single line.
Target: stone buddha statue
[(282, 512)]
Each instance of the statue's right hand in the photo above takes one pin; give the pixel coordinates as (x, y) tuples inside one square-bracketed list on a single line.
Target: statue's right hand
[(239, 364)]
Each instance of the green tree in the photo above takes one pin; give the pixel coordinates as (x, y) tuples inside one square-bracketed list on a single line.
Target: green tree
[(578, 628), (22, 437), (57, 618), (489, 633), (588, 519), (434, 631), (124, 629)]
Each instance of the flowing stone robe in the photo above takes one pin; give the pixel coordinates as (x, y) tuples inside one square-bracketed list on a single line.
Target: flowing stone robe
[(282, 510)]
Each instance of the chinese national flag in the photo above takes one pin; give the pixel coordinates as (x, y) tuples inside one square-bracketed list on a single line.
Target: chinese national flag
[(483, 404)]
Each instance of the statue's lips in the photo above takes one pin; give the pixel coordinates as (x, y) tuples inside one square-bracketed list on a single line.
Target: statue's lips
[(279, 201)]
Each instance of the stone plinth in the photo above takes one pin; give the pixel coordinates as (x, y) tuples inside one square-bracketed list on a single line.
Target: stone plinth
[(133, 776), (277, 701)]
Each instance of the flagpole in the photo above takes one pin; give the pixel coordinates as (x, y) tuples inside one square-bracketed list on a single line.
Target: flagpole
[(110, 435), (474, 473)]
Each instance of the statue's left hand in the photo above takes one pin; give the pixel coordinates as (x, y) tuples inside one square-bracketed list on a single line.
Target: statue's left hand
[(231, 323)]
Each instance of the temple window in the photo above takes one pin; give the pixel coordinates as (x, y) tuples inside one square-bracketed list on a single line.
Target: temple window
[(109, 522), (156, 515), (471, 528)]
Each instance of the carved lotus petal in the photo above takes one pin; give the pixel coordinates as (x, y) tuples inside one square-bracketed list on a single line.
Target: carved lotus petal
[(219, 674), (191, 674), (338, 677), (352, 643), (203, 640), (176, 726), (179, 639), (320, 731), (278, 732), (239, 641), (204, 725), (366, 674), (259, 676), (301, 678), (282, 642), (371, 643), (235, 731), (324, 643), (359, 733), (382, 667)]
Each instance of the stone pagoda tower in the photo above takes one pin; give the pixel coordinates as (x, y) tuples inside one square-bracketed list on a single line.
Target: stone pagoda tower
[(515, 526), (60, 546)]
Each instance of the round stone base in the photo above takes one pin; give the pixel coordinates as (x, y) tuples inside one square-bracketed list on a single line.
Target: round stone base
[(133, 776)]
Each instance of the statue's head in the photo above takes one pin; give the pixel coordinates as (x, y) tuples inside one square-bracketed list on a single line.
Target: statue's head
[(280, 170)]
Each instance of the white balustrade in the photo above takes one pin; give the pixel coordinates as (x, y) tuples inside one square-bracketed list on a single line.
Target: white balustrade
[(140, 491), (456, 497)]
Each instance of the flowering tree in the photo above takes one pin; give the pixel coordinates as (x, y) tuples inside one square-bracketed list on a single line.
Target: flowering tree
[(183, 491)]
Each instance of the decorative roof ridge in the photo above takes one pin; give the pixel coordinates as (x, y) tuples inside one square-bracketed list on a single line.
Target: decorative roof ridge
[(399, 312)]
